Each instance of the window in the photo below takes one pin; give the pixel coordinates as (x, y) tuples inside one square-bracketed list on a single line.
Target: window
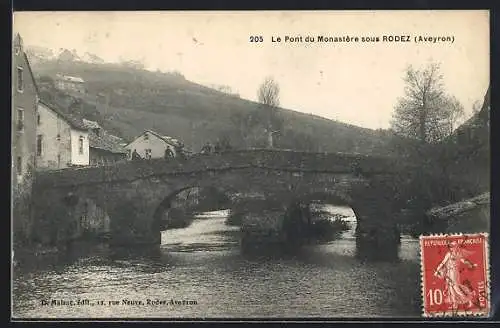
[(80, 145), (20, 119), (148, 153), (58, 137), (38, 119), (39, 145), (20, 82), (19, 165), (146, 136)]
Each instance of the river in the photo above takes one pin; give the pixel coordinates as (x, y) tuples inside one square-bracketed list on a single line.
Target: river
[(201, 274)]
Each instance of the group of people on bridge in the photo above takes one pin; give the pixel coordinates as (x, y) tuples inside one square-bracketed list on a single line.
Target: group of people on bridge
[(218, 147), (168, 154), (208, 148)]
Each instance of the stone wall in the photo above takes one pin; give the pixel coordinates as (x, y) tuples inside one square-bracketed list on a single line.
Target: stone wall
[(268, 159)]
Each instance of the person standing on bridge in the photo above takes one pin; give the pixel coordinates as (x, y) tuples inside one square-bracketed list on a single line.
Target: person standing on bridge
[(207, 148), (217, 147), (180, 152), (135, 155), (168, 153)]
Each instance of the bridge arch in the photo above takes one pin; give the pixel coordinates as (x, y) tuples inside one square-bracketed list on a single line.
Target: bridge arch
[(168, 214)]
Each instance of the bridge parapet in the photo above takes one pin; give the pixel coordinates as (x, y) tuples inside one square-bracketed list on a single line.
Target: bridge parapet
[(259, 158)]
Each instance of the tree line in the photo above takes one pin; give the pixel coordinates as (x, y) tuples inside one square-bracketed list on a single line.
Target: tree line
[(426, 114)]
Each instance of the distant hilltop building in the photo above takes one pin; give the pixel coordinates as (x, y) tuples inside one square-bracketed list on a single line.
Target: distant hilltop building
[(70, 83)]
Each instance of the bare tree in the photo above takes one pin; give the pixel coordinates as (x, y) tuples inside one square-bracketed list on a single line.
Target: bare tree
[(268, 96), (476, 107), (454, 111), (425, 112)]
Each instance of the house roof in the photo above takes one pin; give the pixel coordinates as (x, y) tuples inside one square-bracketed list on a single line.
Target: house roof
[(31, 73), (91, 124), (118, 140), (106, 142), (171, 141), (72, 120)]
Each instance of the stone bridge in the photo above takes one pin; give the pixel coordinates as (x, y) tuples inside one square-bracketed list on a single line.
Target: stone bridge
[(134, 193)]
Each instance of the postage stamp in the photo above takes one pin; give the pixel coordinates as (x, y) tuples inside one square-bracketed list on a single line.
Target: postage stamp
[(455, 275)]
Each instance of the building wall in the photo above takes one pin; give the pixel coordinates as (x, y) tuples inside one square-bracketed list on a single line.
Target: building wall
[(23, 144), (56, 154), (157, 146), (78, 158), (101, 157), (23, 140)]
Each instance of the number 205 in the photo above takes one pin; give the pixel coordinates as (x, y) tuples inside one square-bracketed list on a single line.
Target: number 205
[(257, 38)]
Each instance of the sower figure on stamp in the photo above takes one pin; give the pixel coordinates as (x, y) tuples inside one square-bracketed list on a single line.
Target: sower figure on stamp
[(449, 269)]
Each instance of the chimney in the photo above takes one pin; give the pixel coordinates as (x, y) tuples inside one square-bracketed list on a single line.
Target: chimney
[(18, 44)]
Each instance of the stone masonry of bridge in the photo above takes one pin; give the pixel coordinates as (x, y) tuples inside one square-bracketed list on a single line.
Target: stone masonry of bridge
[(132, 192)]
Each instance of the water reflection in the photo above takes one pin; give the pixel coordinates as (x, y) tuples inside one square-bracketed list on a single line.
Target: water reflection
[(203, 263)]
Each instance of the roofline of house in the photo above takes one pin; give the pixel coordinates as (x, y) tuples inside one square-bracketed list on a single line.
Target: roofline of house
[(154, 133), (161, 137), (76, 127), (70, 80), (31, 73)]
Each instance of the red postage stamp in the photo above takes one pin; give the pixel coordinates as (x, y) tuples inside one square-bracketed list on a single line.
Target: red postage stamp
[(455, 275)]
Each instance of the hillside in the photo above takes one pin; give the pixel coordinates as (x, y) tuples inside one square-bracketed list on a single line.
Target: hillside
[(172, 105)]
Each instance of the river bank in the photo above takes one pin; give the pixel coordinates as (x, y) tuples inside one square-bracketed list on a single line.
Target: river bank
[(35, 257)]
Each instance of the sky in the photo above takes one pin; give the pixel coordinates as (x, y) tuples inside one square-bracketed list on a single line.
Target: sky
[(353, 82)]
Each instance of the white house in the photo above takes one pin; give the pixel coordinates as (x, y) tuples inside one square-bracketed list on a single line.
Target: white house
[(62, 140), (153, 145)]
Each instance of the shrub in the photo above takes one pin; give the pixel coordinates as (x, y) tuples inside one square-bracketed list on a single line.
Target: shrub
[(326, 229), (326, 226)]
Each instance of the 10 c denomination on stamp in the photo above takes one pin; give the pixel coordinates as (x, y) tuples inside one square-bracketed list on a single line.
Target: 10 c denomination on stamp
[(455, 275)]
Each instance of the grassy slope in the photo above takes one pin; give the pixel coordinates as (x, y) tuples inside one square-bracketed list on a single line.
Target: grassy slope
[(193, 113)]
